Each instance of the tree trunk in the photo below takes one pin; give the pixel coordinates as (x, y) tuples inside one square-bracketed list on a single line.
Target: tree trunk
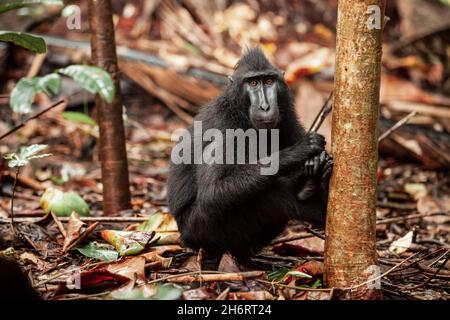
[(350, 252), (113, 157)]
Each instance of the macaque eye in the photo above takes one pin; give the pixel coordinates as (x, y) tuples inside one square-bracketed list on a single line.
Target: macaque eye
[(253, 83), (268, 81)]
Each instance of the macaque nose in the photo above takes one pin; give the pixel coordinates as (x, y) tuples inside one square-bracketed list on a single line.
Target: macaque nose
[(264, 106)]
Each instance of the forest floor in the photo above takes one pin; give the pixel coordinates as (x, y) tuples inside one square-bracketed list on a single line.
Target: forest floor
[(412, 229)]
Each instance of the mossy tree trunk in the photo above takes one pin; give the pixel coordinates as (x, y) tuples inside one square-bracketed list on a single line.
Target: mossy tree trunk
[(350, 252)]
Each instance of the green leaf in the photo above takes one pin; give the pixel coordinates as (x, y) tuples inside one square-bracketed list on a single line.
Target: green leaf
[(147, 292), (168, 292), (278, 275), (49, 84), (316, 284), (165, 228), (93, 79), (63, 203), (100, 251), (25, 155), (22, 96), (25, 3), (127, 242), (79, 117), (299, 274), (161, 221), (152, 223), (25, 40), (196, 51)]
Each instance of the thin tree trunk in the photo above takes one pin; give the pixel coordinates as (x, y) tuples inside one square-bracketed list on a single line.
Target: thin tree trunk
[(113, 157), (350, 253)]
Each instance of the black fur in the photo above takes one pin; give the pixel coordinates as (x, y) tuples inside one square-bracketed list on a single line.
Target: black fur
[(14, 284), (234, 208)]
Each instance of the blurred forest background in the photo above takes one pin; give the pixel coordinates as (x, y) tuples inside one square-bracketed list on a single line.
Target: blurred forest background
[(176, 55)]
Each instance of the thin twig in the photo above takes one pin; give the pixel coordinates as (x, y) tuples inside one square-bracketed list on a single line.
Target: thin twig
[(313, 232), (85, 296), (411, 265), (382, 275), (435, 273), (323, 113), (295, 287), (397, 125), (37, 115), (13, 227)]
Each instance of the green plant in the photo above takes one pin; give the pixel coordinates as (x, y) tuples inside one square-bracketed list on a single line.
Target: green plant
[(92, 79), (25, 40), (18, 160)]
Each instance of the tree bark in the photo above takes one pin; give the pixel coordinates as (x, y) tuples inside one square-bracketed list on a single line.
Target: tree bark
[(112, 150), (350, 251)]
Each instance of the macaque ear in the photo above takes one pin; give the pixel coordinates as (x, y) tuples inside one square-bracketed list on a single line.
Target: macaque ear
[(230, 78)]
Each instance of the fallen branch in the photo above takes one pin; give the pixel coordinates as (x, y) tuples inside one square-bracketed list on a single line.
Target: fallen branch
[(124, 52), (441, 274), (141, 79), (410, 217), (396, 205), (436, 272), (84, 219), (234, 276)]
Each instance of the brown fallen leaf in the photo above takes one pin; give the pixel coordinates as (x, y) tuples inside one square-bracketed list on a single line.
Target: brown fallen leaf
[(302, 247), (29, 257), (154, 259), (192, 264), (228, 264), (132, 268), (76, 232)]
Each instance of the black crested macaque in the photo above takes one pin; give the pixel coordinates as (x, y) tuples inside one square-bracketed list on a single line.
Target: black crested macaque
[(233, 207), (14, 284)]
